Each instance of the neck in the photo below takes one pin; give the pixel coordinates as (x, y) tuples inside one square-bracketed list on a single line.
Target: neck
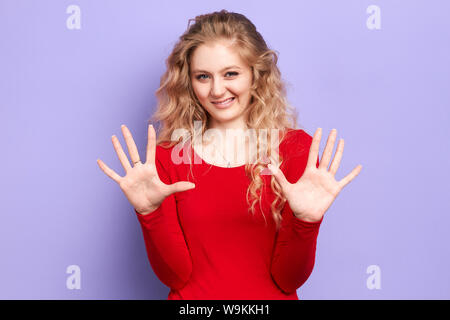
[(226, 143), (235, 128)]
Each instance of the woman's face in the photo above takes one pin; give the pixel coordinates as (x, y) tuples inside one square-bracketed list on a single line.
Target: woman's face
[(218, 74)]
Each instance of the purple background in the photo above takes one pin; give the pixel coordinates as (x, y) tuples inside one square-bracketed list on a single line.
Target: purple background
[(63, 93)]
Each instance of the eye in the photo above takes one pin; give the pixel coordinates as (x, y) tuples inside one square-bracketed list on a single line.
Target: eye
[(232, 73), (199, 77)]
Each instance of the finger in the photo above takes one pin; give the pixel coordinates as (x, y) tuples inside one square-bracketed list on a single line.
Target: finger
[(327, 153), (132, 149), (279, 176), (120, 153), (337, 157), (109, 172), (350, 176), (151, 146), (180, 186), (314, 149)]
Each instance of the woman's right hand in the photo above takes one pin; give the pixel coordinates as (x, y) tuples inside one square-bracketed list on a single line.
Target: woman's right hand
[(141, 184)]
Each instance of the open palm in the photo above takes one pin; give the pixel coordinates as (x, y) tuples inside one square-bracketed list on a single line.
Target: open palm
[(312, 195), (141, 184)]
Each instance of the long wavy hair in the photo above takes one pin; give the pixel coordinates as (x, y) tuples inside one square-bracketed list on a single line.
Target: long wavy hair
[(178, 106)]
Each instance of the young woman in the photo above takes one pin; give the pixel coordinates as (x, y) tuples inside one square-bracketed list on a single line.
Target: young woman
[(219, 228)]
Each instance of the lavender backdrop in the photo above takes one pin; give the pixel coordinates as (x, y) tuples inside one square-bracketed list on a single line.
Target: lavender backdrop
[(64, 92)]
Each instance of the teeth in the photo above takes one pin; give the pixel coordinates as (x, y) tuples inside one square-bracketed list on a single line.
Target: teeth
[(224, 102)]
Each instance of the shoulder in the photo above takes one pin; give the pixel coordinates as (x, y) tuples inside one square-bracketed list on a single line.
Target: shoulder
[(163, 152), (295, 143), (172, 153), (294, 149), (163, 148), (164, 161)]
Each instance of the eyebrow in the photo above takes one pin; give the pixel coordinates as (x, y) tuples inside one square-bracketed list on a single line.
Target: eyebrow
[(226, 68)]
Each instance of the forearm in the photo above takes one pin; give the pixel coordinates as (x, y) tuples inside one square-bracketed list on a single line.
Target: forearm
[(166, 246), (294, 254)]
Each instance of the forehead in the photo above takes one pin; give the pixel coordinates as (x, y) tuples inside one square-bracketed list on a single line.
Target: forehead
[(215, 56)]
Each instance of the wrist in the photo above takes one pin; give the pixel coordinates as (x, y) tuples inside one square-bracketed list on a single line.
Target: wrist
[(307, 218), (145, 212)]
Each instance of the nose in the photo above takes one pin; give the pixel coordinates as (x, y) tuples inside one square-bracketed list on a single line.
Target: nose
[(217, 88)]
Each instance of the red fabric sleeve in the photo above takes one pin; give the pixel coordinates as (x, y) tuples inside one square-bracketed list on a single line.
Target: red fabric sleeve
[(295, 244), (166, 247)]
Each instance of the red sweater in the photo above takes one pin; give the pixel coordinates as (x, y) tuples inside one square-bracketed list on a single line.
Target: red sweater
[(204, 243)]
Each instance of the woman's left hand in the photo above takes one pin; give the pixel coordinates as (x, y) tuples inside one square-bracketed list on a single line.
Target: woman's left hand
[(312, 195)]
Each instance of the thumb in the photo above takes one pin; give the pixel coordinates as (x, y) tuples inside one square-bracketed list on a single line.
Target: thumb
[(181, 186), (279, 176)]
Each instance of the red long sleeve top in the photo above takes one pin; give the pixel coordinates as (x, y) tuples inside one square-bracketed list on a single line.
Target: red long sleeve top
[(204, 244)]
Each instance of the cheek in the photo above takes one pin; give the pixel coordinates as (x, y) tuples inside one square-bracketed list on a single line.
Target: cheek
[(200, 91), (242, 86)]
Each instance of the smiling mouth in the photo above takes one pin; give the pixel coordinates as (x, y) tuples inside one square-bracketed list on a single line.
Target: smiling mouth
[(223, 102)]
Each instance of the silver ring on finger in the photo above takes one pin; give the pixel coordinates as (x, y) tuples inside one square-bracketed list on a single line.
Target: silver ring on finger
[(134, 163)]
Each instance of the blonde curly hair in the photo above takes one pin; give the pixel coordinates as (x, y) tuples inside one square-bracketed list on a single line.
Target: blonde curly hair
[(178, 106)]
